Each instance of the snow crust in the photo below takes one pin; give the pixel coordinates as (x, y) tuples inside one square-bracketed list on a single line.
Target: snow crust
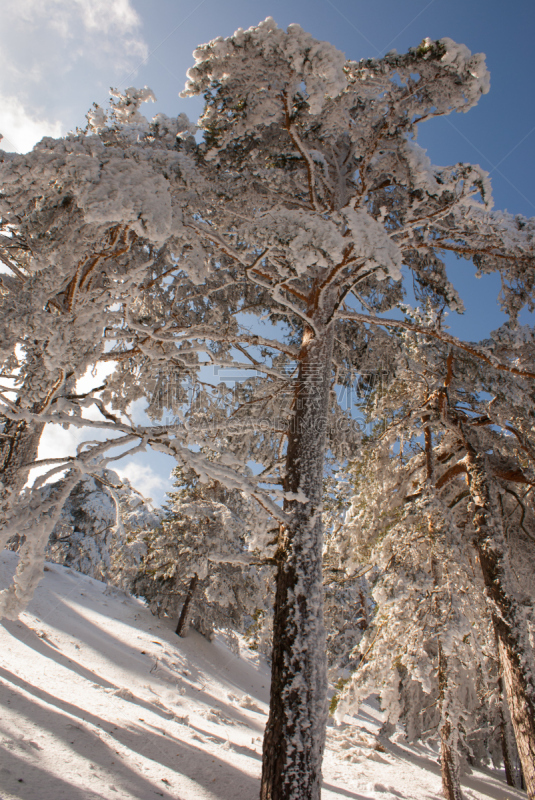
[(122, 191), (319, 65)]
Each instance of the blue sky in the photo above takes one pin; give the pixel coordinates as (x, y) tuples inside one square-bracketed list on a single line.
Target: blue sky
[(58, 56)]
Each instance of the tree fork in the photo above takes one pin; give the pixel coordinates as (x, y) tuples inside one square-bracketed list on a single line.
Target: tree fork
[(295, 733)]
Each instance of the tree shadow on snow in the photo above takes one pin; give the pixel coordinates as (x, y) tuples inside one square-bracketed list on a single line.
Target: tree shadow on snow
[(40, 782), (71, 622), (37, 781), (19, 630), (467, 781), (28, 637), (344, 792), (183, 758)]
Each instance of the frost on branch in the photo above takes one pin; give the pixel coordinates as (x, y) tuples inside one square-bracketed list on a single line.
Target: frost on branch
[(373, 243), (124, 105)]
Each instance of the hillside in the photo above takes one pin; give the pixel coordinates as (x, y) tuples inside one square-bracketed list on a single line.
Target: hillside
[(102, 701)]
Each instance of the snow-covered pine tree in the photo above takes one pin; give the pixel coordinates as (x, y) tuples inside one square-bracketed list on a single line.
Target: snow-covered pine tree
[(306, 197), (326, 195), (139, 161), (439, 420), (100, 515), (496, 459), (511, 602), (424, 650), (197, 568), (70, 256)]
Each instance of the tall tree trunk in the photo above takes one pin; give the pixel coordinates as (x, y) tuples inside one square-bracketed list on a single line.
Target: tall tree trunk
[(184, 622), (449, 757), (521, 703), (506, 738), (508, 626), (295, 733), (363, 618), (451, 787), (19, 443)]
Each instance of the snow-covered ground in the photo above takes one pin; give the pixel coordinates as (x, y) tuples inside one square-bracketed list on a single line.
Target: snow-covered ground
[(102, 701)]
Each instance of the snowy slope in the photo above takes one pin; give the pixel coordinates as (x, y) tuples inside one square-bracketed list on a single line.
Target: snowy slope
[(102, 701)]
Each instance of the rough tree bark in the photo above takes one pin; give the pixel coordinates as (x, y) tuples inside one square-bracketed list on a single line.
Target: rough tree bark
[(185, 615), (448, 758), (295, 733), (505, 739), (19, 443), (490, 547)]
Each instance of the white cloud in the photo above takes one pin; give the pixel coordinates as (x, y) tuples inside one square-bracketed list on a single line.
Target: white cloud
[(57, 442), (94, 376), (21, 130), (56, 57), (143, 478), (71, 19), (105, 16)]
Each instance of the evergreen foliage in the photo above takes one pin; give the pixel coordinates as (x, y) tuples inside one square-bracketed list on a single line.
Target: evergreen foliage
[(204, 533)]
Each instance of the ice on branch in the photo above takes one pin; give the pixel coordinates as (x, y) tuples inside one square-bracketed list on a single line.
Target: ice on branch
[(125, 105)]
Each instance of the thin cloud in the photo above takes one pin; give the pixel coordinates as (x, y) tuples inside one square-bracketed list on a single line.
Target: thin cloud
[(76, 21), (47, 50), (143, 478)]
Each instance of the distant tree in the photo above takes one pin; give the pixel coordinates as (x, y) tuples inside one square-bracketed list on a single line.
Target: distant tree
[(197, 566), (99, 514)]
